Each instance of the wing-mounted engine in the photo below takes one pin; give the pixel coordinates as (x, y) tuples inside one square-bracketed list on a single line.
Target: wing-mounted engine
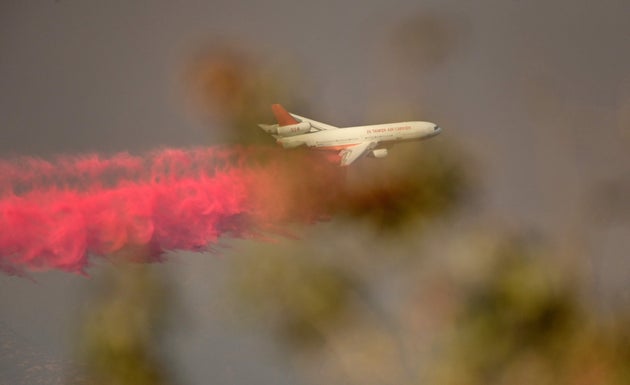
[(379, 153), (288, 130)]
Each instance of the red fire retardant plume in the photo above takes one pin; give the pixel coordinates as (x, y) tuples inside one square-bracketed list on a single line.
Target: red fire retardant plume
[(57, 214)]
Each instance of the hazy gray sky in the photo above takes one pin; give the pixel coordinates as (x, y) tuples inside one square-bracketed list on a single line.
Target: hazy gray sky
[(538, 92)]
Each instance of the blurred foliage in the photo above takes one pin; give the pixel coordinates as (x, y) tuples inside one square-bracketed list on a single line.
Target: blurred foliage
[(472, 314), (423, 184), (512, 313), (521, 322), (304, 298), (228, 85), (120, 339)]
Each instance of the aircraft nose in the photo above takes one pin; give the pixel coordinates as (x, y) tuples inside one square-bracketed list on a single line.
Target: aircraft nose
[(437, 129)]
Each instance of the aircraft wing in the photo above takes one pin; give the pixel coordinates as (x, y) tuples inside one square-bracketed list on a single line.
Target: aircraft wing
[(318, 125), (350, 154)]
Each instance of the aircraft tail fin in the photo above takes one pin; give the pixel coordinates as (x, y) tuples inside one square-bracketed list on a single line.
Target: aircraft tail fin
[(282, 116)]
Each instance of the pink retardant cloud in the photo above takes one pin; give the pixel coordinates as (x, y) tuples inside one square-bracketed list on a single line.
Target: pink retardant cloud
[(60, 214)]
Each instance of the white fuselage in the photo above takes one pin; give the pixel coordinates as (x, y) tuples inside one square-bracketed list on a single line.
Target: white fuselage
[(345, 137)]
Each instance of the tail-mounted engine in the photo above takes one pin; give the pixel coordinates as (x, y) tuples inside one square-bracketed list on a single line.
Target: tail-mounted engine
[(288, 130)]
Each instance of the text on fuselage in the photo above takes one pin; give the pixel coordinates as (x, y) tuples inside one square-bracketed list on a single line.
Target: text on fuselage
[(387, 129)]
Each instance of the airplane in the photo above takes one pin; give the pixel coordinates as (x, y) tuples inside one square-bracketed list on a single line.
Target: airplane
[(293, 131)]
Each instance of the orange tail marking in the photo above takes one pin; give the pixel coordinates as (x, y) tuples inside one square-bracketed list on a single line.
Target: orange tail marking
[(282, 116)]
